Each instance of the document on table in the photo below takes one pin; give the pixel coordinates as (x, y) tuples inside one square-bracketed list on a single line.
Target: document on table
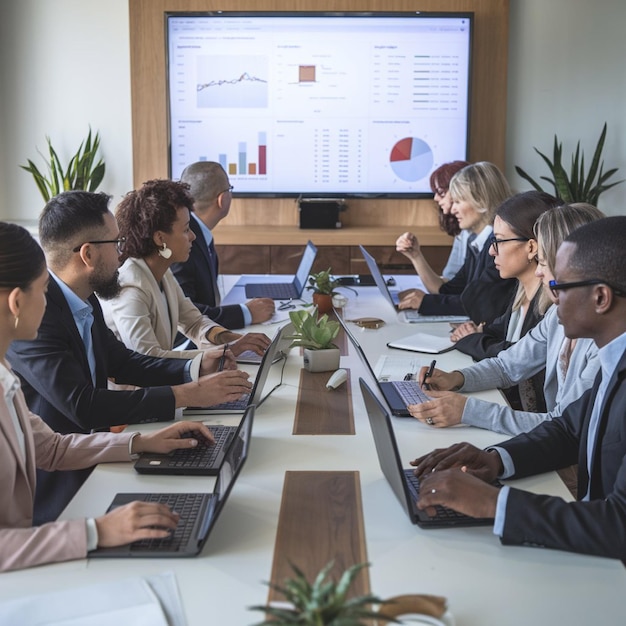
[(149, 601), (397, 367), (423, 342)]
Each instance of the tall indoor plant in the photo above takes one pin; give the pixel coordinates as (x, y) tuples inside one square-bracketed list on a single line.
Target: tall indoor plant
[(578, 185), (82, 171)]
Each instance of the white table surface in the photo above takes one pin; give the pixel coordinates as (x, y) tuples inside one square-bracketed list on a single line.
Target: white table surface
[(486, 584)]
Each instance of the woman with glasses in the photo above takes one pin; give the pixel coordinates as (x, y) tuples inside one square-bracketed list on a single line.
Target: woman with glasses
[(27, 443), (476, 290), (408, 243), (570, 365), (151, 306)]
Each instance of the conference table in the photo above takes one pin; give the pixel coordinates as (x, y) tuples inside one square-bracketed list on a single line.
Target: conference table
[(484, 582)]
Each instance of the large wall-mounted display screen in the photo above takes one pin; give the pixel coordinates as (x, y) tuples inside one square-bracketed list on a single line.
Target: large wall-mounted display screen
[(319, 104)]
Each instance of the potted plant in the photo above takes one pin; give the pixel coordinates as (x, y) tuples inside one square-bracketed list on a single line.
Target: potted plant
[(82, 172), (578, 185), (315, 335), (323, 286), (323, 603)]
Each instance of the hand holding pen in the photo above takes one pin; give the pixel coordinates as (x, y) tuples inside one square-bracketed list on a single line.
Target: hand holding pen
[(220, 365), (429, 372)]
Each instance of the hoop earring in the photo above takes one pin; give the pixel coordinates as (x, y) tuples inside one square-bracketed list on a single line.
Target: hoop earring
[(17, 321), (165, 252)]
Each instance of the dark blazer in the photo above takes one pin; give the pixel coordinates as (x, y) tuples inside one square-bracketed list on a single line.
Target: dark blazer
[(492, 339), (57, 385), (596, 527), (196, 280), (476, 290)]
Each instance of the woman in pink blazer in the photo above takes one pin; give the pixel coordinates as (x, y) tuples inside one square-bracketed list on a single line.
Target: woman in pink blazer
[(26, 442)]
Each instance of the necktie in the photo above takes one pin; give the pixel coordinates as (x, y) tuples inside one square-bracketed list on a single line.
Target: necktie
[(213, 261), (86, 318)]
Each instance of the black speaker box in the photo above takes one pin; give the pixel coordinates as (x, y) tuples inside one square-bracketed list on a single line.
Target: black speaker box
[(320, 213)]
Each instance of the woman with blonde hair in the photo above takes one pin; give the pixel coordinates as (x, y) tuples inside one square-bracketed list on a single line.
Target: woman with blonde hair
[(477, 289), (570, 365)]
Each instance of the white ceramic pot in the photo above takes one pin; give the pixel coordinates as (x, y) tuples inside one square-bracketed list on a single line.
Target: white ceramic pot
[(321, 360)]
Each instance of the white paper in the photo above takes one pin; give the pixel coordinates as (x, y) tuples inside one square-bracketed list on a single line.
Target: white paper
[(423, 342), (397, 367)]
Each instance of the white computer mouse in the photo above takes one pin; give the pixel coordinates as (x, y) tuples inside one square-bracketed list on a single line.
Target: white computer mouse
[(337, 378)]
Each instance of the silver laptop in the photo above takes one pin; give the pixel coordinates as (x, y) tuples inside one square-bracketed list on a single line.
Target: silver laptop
[(198, 511), (272, 355), (403, 482), (397, 393), (407, 315), (283, 290)]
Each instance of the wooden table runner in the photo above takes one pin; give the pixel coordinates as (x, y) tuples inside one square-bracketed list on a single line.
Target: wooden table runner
[(320, 520), (321, 411)]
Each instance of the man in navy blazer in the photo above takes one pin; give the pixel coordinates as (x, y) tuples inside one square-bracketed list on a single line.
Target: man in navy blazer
[(590, 283), (65, 371), (212, 193)]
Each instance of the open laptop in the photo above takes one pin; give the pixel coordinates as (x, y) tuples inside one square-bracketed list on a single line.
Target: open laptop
[(252, 358), (402, 481), (203, 460), (198, 511), (407, 315), (282, 290), (255, 396), (397, 393)]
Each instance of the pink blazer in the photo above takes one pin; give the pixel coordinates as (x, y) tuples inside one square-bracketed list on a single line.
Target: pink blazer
[(21, 545)]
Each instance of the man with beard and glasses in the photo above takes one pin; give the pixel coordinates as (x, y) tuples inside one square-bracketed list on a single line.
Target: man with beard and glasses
[(65, 371)]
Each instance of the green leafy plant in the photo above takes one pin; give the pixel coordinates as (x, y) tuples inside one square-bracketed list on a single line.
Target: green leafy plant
[(312, 332), (578, 185), (324, 602), (323, 282), (82, 172)]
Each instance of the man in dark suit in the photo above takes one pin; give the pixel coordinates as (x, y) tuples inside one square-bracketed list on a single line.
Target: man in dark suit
[(590, 284), (211, 190), (65, 371)]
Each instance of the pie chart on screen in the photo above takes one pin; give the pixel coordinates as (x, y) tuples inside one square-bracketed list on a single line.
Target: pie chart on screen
[(411, 159)]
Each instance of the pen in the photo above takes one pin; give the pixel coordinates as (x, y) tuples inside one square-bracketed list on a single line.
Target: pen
[(428, 374), (220, 365)]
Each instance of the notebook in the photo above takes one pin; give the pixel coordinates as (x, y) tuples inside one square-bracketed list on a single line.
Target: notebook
[(203, 460), (198, 511), (423, 342), (281, 291), (255, 396), (397, 393), (410, 315), (402, 481)]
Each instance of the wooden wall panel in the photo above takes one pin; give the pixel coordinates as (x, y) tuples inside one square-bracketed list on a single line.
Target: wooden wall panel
[(148, 90)]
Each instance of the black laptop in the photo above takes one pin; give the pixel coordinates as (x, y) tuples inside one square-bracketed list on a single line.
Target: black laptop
[(203, 460), (402, 481), (408, 315), (397, 393), (198, 511), (272, 355), (284, 291)]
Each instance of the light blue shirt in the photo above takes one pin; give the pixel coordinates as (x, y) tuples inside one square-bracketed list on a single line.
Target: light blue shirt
[(208, 235), (609, 356), (82, 312)]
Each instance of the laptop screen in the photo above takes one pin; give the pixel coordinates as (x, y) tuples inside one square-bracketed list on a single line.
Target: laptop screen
[(304, 269)]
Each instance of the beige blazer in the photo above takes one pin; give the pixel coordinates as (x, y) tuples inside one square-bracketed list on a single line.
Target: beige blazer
[(21, 545), (147, 322)]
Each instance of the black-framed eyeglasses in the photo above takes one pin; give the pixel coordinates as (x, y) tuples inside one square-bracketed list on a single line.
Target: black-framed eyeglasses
[(440, 191), (556, 287), (495, 242), (118, 242), (229, 188)]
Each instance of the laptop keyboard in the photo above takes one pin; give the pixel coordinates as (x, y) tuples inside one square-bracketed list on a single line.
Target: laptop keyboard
[(205, 453), (410, 391), (188, 506), (442, 513), (233, 405), (275, 291)]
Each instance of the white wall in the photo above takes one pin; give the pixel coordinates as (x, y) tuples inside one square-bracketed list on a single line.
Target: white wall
[(64, 64)]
